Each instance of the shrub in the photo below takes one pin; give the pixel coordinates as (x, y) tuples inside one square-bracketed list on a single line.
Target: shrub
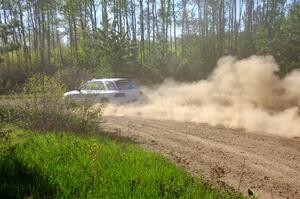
[(41, 120), (44, 92), (43, 108)]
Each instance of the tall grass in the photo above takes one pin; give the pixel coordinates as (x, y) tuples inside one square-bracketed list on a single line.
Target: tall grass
[(62, 165)]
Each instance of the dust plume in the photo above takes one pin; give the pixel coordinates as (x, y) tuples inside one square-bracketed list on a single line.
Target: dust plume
[(238, 94)]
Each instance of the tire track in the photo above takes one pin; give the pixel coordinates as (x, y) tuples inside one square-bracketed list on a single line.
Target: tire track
[(271, 163)]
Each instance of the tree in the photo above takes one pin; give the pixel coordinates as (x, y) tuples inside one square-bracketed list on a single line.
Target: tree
[(116, 51), (7, 43), (289, 48), (142, 38)]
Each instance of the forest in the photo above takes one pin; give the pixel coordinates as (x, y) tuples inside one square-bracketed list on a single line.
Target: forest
[(215, 113), (146, 40)]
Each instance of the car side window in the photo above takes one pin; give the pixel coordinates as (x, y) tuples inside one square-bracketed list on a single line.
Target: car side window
[(93, 86), (100, 86), (110, 85), (124, 85)]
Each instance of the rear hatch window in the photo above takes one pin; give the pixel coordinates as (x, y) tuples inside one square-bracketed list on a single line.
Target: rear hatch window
[(125, 85)]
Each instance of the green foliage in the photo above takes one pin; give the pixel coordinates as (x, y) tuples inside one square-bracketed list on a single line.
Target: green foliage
[(6, 42), (67, 166), (159, 63), (44, 86), (45, 92), (261, 42), (12, 79), (289, 47), (74, 76), (116, 51), (46, 120), (146, 40), (43, 108)]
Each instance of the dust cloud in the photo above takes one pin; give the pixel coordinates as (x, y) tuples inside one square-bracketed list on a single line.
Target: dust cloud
[(238, 94)]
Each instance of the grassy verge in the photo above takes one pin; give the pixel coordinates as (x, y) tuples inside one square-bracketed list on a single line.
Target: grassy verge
[(59, 165), (38, 162)]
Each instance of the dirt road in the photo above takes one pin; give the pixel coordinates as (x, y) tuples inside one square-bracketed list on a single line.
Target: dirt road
[(266, 164)]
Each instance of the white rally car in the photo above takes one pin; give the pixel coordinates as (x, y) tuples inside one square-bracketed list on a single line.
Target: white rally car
[(112, 90)]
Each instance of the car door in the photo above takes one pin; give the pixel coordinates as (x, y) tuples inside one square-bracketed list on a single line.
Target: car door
[(130, 90), (92, 91)]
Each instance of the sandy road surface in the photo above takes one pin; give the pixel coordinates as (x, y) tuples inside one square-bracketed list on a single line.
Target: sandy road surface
[(268, 165)]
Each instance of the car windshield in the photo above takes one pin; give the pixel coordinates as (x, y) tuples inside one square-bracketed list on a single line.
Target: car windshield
[(124, 85)]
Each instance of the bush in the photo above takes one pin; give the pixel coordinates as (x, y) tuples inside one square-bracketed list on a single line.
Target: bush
[(43, 108), (41, 120), (45, 92)]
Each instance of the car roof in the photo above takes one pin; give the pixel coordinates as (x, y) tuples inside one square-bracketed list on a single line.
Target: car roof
[(107, 79)]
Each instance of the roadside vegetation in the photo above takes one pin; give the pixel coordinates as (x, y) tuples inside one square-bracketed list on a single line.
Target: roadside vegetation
[(63, 163), (51, 148)]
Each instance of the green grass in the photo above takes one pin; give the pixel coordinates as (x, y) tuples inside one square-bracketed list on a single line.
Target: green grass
[(58, 165)]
